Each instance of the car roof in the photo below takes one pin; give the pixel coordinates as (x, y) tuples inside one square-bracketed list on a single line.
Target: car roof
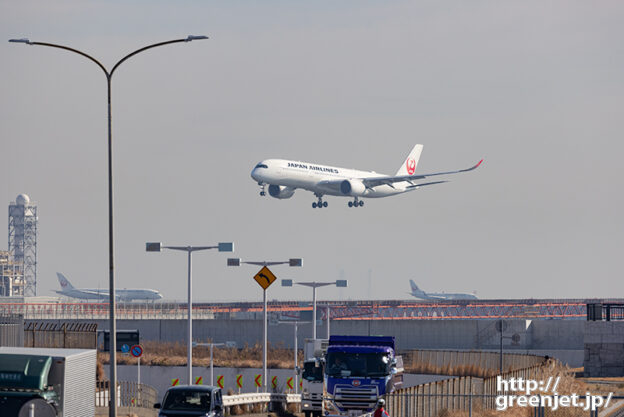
[(207, 388)]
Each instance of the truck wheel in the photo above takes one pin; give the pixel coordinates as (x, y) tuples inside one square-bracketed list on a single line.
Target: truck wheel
[(307, 413)]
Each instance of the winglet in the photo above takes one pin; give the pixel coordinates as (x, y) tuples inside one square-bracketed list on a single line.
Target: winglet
[(471, 168)]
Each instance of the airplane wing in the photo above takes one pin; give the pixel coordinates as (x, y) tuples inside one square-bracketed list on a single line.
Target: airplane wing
[(370, 182), (376, 181)]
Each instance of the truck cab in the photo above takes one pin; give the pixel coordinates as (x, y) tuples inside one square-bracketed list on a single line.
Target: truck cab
[(359, 370), (191, 401), (312, 384)]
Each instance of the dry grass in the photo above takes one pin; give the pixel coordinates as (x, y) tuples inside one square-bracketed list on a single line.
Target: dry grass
[(459, 370), (568, 385), (174, 354)]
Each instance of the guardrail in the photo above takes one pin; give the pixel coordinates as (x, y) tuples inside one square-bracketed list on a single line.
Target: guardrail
[(261, 397)]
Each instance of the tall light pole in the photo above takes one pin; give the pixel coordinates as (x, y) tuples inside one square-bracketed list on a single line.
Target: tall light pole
[(111, 264), (328, 309), (296, 324), (290, 262), (314, 285), (157, 247)]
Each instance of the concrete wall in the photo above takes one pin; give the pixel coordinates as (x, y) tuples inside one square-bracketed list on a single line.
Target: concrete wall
[(557, 334), (604, 348), (409, 334), (562, 339)]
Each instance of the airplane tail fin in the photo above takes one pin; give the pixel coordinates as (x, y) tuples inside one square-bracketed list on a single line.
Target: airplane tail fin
[(414, 286), (409, 166), (65, 284)]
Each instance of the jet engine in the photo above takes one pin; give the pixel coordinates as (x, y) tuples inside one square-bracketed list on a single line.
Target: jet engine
[(280, 191), (352, 187)]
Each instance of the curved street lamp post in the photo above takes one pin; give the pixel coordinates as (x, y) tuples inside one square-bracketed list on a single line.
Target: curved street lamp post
[(109, 75)]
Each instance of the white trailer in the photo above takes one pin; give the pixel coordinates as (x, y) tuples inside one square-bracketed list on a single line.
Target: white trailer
[(59, 381)]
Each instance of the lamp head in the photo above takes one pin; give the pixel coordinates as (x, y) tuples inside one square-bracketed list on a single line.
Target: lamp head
[(226, 247), (233, 262), (195, 38), (22, 40), (153, 246)]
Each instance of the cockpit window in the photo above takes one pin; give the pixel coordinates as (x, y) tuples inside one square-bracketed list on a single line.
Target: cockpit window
[(261, 166)]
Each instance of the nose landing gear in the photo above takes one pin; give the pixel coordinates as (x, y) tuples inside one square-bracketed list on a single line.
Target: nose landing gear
[(262, 192)]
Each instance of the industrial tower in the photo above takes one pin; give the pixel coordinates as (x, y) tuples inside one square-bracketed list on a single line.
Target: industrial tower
[(23, 240)]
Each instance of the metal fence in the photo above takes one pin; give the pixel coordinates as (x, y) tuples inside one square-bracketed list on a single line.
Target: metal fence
[(63, 335), (129, 394), (465, 393), (12, 330)]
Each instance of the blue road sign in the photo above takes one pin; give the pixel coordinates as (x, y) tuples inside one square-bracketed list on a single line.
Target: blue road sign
[(125, 348), (136, 351)]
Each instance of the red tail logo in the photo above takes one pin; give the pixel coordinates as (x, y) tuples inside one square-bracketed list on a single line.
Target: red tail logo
[(411, 166)]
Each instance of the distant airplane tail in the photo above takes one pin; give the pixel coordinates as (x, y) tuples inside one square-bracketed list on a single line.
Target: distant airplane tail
[(409, 166), (65, 284), (415, 289)]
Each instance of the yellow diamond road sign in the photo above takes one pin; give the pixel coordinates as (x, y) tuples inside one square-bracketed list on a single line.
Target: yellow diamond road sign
[(265, 277)]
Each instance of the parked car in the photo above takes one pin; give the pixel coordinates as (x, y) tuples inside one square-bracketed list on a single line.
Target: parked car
[(191, 401)]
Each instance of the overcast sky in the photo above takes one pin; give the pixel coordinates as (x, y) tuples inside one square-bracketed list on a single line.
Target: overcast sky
[(536, 88)]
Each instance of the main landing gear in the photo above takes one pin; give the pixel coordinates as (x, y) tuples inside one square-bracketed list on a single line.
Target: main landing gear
[(355, 203), (320, 203), (262, 192)]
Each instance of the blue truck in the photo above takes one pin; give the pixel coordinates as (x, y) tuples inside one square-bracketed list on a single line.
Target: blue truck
[(359, 370)]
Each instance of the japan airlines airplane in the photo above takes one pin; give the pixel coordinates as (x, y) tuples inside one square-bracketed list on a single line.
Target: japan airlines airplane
[(283, 177), (68, 290)]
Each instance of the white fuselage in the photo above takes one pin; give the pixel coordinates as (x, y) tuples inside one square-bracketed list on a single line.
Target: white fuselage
[(101, 294), (309, 176)]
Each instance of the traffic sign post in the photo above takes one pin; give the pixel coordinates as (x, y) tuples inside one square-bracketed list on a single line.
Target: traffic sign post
[(264, 278), (136, 351), (239, 382)]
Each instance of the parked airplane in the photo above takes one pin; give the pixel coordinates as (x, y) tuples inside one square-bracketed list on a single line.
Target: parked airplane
[(69, 290), (418, 293), (284, 176)]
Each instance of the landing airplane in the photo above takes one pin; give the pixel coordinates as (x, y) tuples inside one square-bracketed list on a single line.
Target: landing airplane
[(68, 290), (284, 176), (418, 293)]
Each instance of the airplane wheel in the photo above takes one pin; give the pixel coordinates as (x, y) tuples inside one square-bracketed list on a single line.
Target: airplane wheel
[(262, 193), (319, 204), (361, 203), (325, 204), (350, 204), (313, 205)]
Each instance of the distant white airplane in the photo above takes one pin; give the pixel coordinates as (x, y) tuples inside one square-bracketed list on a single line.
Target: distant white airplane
[(68, 290), (418, 293), (284, 176)]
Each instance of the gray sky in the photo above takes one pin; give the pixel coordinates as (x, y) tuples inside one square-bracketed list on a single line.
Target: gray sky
[(534, 87)]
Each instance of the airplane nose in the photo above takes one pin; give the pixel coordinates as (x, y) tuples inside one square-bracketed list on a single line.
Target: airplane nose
[(254, 174)]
